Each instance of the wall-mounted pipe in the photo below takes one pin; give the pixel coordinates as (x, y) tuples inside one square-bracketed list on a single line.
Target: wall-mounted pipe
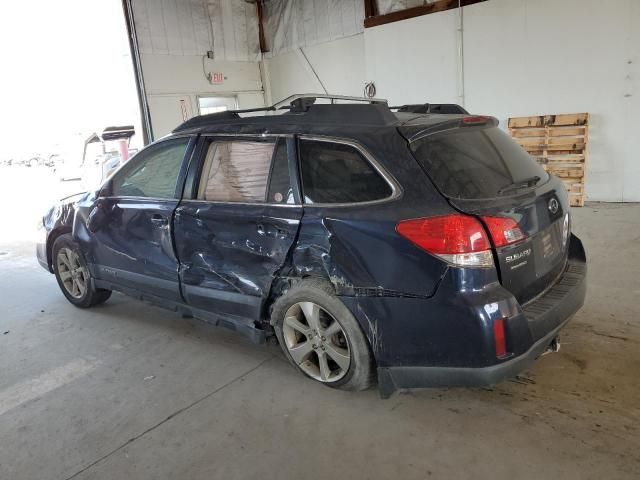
[(460, 37)]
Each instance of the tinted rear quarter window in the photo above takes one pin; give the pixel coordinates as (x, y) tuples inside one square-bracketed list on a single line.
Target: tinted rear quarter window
[(475, 163), (339, 173)]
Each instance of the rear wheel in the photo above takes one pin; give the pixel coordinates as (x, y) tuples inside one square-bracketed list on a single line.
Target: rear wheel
[(73, 275), (320, 336)]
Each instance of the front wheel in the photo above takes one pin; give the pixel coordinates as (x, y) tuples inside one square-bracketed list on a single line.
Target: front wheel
[(73, 275), (321, 338)]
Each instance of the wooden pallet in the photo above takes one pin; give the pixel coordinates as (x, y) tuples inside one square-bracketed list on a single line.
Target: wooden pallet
[(559, 144)]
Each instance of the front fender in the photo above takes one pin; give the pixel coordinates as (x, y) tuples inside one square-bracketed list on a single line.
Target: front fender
[(62, 218)]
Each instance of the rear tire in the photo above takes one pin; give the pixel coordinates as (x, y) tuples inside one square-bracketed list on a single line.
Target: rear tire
[(321, 337), (73, 276)]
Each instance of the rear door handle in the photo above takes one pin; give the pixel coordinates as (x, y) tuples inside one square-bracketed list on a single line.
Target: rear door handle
[(159, 221)]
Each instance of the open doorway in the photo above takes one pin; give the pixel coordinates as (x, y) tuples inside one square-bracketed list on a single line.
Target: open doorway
[(214, 104)]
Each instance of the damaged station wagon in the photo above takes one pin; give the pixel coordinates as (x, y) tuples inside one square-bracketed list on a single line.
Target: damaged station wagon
[(418, 245)]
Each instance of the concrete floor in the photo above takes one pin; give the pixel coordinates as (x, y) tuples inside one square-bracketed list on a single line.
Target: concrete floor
[(131, 391)]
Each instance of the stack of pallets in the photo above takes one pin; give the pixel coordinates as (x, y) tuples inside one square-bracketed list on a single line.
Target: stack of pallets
[(559, 144)]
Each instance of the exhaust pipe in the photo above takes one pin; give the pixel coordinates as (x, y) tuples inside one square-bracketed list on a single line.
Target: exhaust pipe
[(553, 347)]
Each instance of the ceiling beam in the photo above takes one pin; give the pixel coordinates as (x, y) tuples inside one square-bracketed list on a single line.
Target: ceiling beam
[(438, 6), (370, 8), (261, 38)]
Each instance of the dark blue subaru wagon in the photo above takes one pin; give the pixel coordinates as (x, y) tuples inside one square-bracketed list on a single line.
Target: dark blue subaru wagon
[(416, 244)]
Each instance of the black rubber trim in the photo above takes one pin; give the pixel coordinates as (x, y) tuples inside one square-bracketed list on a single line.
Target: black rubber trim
[(243, 326)]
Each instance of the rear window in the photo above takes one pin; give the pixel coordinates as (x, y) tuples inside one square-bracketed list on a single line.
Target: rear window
[(475, 163), (339, 173)]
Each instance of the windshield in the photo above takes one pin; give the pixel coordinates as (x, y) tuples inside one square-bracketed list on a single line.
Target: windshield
[(477, 163)]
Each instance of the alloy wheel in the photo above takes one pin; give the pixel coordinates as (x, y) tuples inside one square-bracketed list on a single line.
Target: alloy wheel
[(73, 274), (316, 342)]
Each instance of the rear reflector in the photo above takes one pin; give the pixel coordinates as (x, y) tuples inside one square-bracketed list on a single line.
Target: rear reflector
[(458, 239), (499, 337), (503, 231)]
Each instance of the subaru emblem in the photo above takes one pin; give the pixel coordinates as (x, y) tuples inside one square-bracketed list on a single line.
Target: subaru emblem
[(553, 206)]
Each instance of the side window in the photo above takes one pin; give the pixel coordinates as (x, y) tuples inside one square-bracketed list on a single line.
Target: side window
[(236, 171), (339, 173), (280, 189), (152, 173)]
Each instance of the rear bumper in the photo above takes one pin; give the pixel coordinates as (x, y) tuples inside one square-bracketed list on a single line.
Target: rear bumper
[(398, 378), (545, 317)]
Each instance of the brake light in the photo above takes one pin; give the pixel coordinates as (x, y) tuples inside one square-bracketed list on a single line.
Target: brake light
[(475, 120), (499, 337), (503, 230), (458, 239)]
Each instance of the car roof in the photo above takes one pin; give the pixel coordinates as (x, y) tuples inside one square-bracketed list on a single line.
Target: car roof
[(301, 113)]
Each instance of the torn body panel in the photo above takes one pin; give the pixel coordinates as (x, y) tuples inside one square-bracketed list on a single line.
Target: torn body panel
[(230, 253), (134, 245), (356, 246), (447, 329)]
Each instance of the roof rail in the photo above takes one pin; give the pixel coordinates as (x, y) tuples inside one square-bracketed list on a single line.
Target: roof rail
[(437, 108), (302, 102), (305, 100), (378, 113), (298, 103)]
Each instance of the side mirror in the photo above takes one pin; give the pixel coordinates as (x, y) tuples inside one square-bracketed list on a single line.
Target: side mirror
[(107, 189), (99, 215)]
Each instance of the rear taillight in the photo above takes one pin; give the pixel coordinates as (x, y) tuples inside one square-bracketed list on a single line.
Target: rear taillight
[(458, 239), (499, 337), (503, 231)]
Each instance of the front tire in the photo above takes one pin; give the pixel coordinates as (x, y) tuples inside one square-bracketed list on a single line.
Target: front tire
[(321, 337), (73, 276)]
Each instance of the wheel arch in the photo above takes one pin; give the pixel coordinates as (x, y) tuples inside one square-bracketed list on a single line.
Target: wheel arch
[(325, 287), (51, 239)]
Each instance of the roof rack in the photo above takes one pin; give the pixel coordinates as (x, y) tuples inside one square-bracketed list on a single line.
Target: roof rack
[(302, 102), (437, 108), (298, 103), (378, 113)]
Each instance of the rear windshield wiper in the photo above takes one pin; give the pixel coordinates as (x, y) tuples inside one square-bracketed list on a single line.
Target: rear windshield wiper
[(529, 182)]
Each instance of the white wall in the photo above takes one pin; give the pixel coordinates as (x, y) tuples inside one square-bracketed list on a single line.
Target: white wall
[(173, 73), (339, 64), (522, 57), (529, 57), (415, 60), (173, 39), (174, 82)]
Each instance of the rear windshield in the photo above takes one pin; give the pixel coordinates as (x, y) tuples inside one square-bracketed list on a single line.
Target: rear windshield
[(476, 163)]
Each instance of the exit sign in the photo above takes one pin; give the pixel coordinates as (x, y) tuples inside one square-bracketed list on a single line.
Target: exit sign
[(217, 78)]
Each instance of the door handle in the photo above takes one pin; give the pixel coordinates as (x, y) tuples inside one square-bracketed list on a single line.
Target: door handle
[(159, 221)]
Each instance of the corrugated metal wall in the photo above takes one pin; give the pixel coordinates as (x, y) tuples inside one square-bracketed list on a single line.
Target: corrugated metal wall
[(192, 27)]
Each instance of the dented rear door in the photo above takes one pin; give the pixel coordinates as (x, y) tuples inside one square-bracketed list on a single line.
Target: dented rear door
[(237, 224)]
